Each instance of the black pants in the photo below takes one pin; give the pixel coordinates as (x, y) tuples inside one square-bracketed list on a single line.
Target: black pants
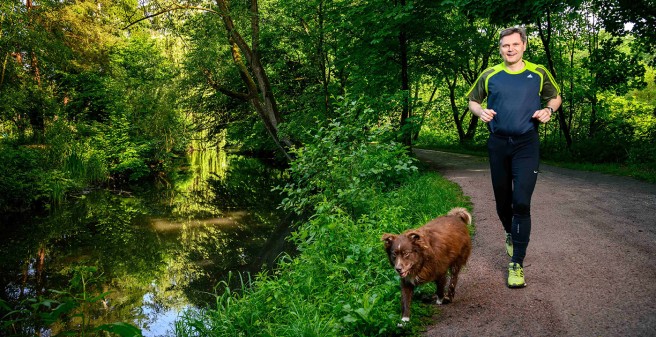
[(514, 163)]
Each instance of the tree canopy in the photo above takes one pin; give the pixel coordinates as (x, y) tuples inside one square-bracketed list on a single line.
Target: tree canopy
[(265, 75)]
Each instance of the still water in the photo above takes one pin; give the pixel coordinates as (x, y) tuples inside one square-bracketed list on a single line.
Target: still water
[(155, 253)]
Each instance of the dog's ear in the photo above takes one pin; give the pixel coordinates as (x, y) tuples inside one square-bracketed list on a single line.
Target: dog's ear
[(413, 236), (388, 239)]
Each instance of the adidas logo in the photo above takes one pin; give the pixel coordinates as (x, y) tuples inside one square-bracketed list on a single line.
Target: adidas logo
[(529, 76)]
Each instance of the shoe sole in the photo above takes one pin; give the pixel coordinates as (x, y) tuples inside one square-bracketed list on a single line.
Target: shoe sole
[(515, 286)]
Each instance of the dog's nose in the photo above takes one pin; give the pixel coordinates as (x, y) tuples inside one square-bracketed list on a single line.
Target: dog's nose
[(398, 269)]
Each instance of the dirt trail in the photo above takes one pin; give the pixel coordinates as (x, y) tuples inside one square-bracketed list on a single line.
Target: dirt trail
[(590, 267)]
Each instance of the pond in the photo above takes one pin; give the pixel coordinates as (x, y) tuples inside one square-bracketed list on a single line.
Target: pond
[(155, 252)]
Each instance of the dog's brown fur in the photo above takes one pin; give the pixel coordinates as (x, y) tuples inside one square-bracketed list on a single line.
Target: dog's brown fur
[(425, 254)]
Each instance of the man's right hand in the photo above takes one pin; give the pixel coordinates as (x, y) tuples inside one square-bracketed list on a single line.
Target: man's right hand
[(487, 115)]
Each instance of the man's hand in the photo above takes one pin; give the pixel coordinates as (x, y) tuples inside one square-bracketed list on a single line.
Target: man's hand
[(543, 115), (486, 115)]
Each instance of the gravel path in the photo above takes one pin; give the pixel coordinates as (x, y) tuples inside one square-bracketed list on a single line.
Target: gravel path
[(590, 267)]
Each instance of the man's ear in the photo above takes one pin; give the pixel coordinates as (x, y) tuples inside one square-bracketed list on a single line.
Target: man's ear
[(388, 239)]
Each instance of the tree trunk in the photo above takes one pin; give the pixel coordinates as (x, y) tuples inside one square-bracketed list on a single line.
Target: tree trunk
[(405, 85), (323, 58), (454, 108), (571, 89), (473, 124), (260, 94), (4, 68), (36, 111), (415, 136), (593, 117), (546, 42)]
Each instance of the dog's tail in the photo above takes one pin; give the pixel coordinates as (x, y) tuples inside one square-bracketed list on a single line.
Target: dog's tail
[(462, 213)]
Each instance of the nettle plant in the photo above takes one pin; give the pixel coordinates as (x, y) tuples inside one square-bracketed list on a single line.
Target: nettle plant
[(345, 164)]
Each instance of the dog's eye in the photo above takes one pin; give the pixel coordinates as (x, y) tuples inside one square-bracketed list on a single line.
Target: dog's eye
[(406, 254)]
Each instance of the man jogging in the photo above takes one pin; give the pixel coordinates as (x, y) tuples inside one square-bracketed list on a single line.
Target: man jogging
[(515, 92)]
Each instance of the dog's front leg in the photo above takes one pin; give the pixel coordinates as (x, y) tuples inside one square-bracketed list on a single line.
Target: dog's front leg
[(406, 299), (440, 283)]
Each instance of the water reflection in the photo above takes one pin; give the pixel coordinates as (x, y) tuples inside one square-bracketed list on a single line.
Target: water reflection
[(158, 251)]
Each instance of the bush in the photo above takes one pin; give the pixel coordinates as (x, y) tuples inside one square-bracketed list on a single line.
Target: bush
[(345, 164), (24, 181)]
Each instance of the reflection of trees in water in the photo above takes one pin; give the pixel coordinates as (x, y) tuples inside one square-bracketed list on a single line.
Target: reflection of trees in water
[(157, 251), (96, 230), (244, 195)]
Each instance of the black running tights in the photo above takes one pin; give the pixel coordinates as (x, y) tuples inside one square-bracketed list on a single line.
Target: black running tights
[(514, 163)]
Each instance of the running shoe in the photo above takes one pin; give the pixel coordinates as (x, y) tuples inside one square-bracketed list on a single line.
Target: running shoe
[(515, 276)]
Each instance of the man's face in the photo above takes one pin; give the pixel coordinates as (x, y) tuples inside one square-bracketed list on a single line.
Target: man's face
[(512, 48)]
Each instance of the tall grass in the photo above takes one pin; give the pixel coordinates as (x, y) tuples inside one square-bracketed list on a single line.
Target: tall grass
[(86, 165), (57, 185), (95, 168), (340, 283)]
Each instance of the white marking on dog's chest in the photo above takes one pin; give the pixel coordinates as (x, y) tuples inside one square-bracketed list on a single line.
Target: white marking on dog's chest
[(414, 280)]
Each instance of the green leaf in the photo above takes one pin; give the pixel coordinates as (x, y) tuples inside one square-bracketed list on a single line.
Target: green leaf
[(121, 329)]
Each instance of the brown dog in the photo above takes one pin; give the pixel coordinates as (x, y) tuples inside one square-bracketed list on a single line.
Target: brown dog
[(425, 254)]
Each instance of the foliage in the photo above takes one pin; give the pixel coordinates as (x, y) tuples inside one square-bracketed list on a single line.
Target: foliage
[(614, 70), (118, 122), (616, 13), (504, 11), (72, 306), (355, 189), (347, 162), (85, 104), (625, 135), (24, 178), (341, 283)]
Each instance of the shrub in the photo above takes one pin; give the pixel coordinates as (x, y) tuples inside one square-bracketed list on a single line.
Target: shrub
[(23, 181), (345, 164)]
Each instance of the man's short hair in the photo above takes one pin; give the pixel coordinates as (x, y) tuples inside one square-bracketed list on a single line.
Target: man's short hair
[(512, 30)]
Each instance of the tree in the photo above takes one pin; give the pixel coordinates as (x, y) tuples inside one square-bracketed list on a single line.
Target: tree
[(457, 51), (635, 17), (246, 59), (611, 70), (41, 41)]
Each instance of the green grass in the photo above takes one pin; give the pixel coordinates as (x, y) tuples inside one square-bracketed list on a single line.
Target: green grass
[(642, 172), (340, 283), (639, 172)]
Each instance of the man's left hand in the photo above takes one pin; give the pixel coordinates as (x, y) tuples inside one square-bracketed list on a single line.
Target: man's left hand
[(543, 115)]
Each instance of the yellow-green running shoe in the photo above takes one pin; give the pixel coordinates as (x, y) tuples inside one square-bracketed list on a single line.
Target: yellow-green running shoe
[(509, 245), (515, 276)]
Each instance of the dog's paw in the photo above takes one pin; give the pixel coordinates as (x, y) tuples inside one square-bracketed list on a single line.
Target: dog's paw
[(441, 301), (404, 322)]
